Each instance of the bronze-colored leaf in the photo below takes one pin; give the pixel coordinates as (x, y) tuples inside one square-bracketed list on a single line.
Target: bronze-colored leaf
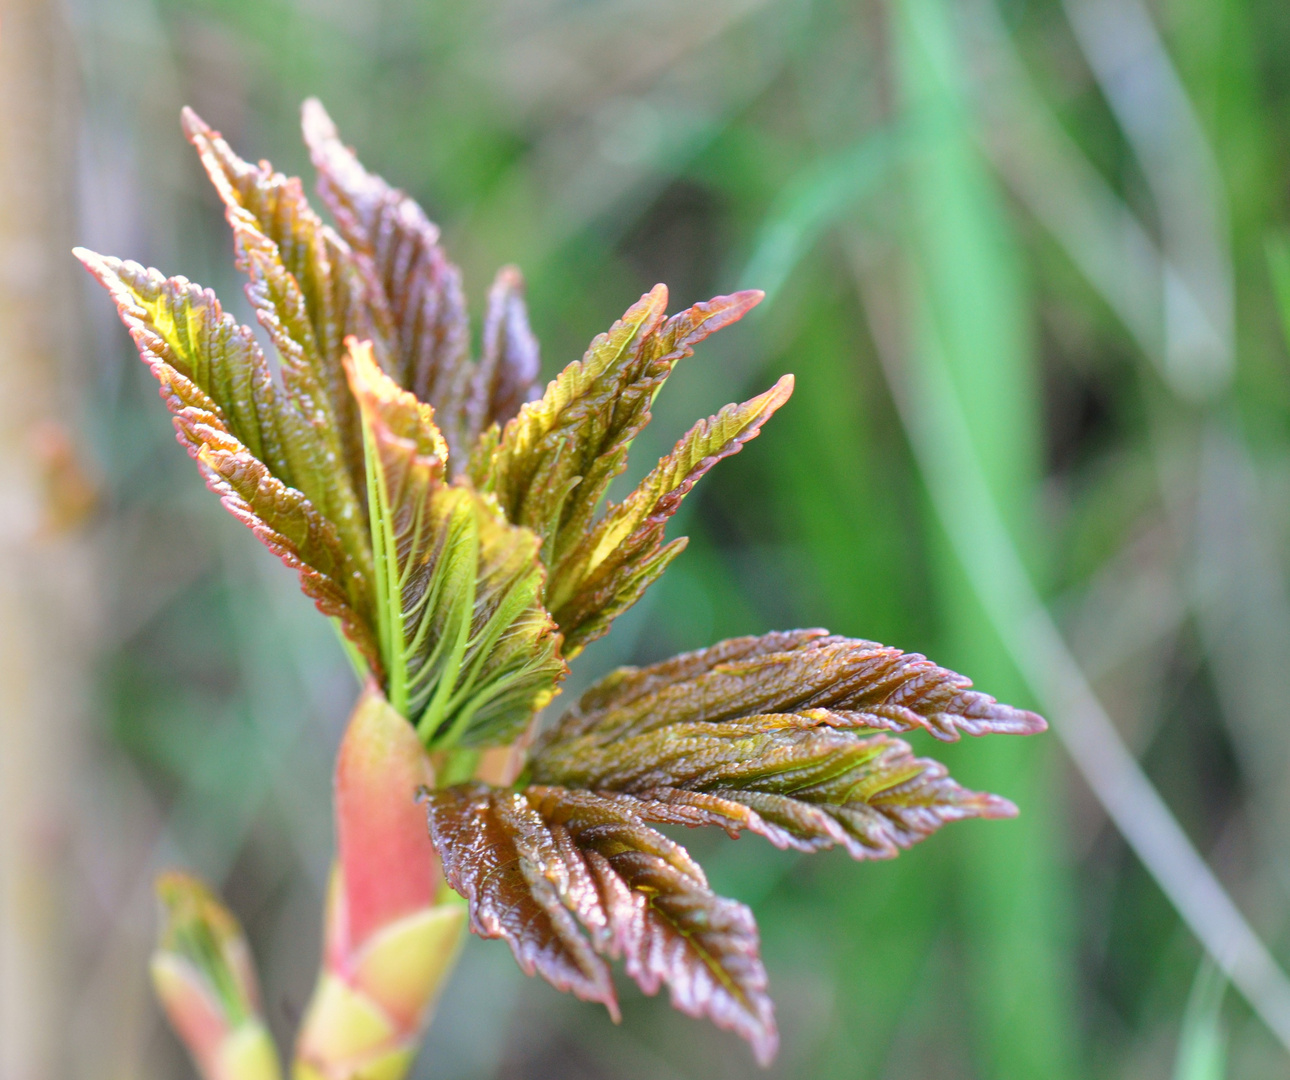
[(793, 779), (767, 734), (217, 386), (421, 289), (545, 452), (537, 865), (551, 466), (508, 370), (850, 683), (317, 298), (613, 564)]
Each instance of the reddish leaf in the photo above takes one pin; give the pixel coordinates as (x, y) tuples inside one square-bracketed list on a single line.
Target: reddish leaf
[(216, 384), (793, 779), (421, 289), (613, 564), (850, 683), (506, 378), (338, 300), (537, 865)]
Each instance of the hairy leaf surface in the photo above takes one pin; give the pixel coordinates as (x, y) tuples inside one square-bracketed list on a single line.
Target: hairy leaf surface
[(613, 564), (551, 465), (471, 653), (846, 682), (568, 878), (251, 446), (791, 778), (307, 287), (419, 287)]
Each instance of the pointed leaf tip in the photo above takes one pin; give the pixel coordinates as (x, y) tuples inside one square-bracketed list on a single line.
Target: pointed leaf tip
[(767, 734), (193, 125), (570, 879), (205, 980)]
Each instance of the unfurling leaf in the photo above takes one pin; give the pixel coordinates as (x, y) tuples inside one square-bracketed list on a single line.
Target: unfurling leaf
[(451, 521), (551, 466), (306, 286), (204, 977), (763, 734), (389, 944), (419, 287), (570, 878), (470, 650), (617, 560), (508, 369), (255, 450)]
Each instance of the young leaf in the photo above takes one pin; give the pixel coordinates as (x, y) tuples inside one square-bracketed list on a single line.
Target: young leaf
[(793, 779), (204, 978), (760, 734), (616, 561), (545, 452), (845, 683), (552, 464), (637, 383), (304, 279), (507, 373), (537, 865), (250, 446), (471, 653), (421, 289)]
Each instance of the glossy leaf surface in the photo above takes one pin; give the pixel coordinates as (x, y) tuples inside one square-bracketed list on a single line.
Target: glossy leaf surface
[(613, 564), (845, 682), (767, 734), (570, 878), (793, 779), (313, 288)]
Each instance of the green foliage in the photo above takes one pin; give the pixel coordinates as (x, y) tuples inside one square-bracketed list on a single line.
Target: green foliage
[(450, 519)]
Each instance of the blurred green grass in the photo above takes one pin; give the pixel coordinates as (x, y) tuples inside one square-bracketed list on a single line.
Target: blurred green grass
[(864, 163)]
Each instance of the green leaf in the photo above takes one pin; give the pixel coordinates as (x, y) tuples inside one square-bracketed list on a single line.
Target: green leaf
[(421, 290), (251, 446), (766, 734), (793, 779), (543, 452), (550, 467), (567, 878), (470, 651), (620, 557), (307, 287)]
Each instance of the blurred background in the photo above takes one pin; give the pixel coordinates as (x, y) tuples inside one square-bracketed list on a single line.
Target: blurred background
[(1028, 261)]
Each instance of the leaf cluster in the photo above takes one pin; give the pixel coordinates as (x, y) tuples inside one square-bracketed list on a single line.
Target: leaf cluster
[(451, 518)]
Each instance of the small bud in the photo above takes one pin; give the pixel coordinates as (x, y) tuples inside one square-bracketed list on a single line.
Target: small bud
[(205, 980)]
